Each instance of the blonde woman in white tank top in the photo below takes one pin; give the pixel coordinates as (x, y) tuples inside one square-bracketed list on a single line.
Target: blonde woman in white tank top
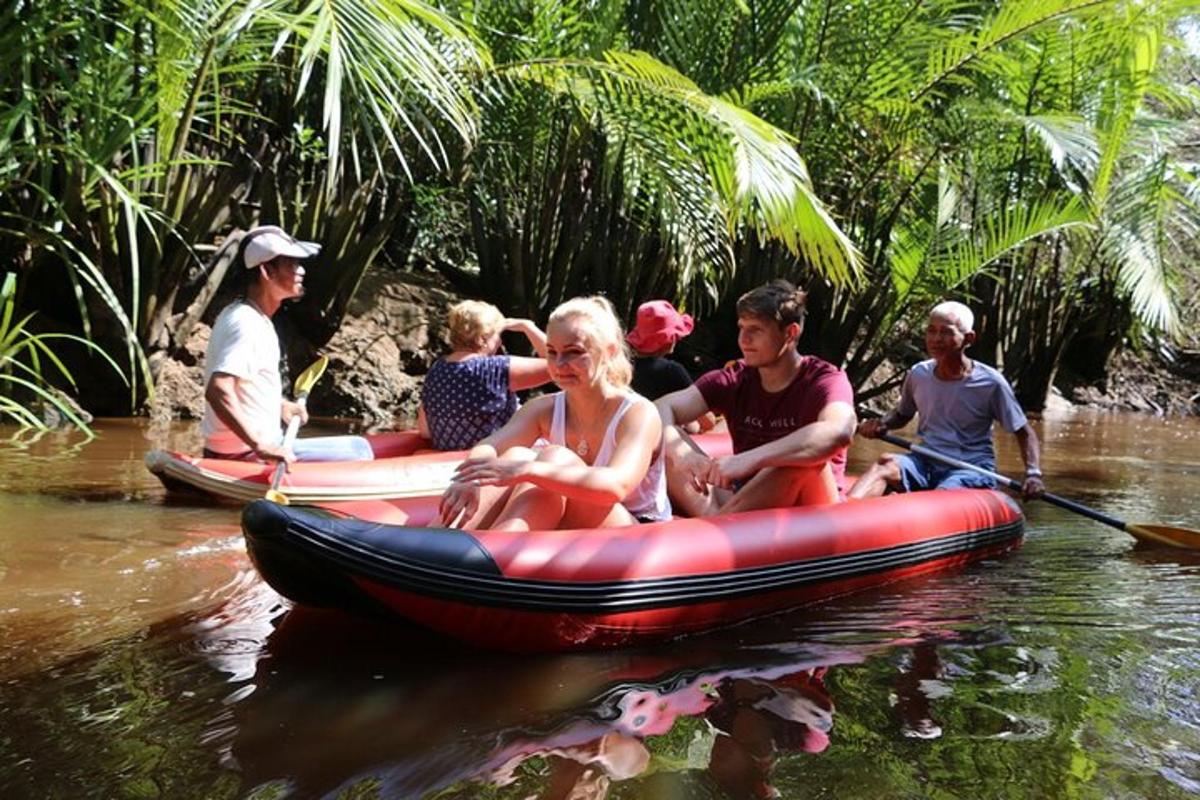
[(599, 463)]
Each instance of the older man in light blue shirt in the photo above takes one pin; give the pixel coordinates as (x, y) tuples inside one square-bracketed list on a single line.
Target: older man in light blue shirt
[(957, 399)]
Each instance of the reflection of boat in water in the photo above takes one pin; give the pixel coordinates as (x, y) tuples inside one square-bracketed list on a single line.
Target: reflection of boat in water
[(558, 590), (414, 727)]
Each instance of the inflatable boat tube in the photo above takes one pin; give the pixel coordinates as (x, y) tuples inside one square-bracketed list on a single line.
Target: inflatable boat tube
[(564, 590), (404, 466)]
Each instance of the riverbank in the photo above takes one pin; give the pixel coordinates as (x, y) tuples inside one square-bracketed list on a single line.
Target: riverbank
[(1147, 382)]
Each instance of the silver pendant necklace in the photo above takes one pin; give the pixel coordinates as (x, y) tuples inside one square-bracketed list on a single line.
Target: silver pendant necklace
[(581, 447)]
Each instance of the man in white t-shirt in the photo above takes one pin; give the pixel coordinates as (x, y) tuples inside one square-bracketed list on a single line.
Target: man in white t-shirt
[(244, 410)]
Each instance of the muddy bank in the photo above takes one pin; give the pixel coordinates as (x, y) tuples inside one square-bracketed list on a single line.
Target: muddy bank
[(1159, 383)]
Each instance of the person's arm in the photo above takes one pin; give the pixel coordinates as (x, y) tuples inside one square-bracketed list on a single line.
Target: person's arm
[(874, 428), (898, 417), (815, 443), (461, 499), (526, 373), (222, 397), (675, 410), (637, 437), (535, 335), (679, 408), (1033, 485), (1008, 412), (422, 422)]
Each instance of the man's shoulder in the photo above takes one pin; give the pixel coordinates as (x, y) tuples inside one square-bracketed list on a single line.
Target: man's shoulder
[(817, 370), (989, 374), (732, 373), (240, 314), (815, 365), (923, 369)]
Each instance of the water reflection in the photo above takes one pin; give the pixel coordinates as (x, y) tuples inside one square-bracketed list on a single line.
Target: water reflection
[(552, 727), (397, 713)]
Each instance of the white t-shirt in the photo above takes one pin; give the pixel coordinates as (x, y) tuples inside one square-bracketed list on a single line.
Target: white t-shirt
[(244, 344)]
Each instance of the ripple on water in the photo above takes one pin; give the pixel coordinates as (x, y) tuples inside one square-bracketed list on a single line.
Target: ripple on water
[(1066, 669)]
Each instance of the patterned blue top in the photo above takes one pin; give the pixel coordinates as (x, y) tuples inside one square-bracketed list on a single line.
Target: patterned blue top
[(466, 401)]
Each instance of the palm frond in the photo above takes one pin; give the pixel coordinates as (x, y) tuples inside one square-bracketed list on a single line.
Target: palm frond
[(1012, 20), (379, 57), (659, 118)]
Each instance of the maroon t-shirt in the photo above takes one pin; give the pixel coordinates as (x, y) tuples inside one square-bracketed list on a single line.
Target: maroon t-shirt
[(756, 416)]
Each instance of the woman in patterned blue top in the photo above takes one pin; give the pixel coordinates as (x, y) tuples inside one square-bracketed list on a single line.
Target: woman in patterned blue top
[(471, 392)]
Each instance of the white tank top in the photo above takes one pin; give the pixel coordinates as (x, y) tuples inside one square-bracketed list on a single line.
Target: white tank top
[(648, 500)]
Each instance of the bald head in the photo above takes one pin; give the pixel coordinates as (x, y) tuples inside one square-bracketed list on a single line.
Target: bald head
[(957, 313)]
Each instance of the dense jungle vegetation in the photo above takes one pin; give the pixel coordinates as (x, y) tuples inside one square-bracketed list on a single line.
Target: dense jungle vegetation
[(1034, 157)]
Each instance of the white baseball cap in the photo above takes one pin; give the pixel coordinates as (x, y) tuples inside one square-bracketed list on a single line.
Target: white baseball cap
[(269, 241)]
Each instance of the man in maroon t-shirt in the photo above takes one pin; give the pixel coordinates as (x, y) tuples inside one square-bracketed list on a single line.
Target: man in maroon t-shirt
[(790, 416)]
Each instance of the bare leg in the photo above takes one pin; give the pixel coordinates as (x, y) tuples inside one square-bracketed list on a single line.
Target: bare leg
[(493, 499), (879, 476), (686, 500), (534, 508), (782, 487)]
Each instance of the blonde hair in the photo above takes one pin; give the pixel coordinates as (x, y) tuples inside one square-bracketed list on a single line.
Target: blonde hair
[(472, 323), (602, 331)]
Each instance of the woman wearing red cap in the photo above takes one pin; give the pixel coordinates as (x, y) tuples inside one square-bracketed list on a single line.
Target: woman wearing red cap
[(659, 326)]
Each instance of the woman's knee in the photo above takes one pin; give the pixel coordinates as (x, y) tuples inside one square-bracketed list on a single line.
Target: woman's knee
[(557, 454), (520, 453)]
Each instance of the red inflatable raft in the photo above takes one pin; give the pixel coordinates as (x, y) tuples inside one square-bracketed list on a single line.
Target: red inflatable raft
[(404, 466), (558, 590)]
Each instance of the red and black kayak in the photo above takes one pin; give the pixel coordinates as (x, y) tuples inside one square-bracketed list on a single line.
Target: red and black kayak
[(404, 466), (561, 590)]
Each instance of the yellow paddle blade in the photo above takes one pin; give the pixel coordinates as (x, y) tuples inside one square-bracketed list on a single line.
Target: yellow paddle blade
[(310, 376), (1164, 534), (276, 496)]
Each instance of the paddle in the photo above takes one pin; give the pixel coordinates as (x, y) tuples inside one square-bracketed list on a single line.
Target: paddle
[(300, 390), (1156, 534)]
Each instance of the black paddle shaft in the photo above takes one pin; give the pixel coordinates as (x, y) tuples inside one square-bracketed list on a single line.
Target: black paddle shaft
[(1004, 480)]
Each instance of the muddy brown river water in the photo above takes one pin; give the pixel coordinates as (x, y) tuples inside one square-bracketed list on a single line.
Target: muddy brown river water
[(141, 656)]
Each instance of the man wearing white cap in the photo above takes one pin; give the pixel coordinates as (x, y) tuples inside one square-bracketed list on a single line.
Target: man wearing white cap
[(244, 406)]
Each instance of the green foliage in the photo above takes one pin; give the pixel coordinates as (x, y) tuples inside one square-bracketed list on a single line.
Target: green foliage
[(25, 362), (1029, 156)]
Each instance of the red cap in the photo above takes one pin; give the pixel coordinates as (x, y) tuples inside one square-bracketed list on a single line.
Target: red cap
[(659, 326)]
